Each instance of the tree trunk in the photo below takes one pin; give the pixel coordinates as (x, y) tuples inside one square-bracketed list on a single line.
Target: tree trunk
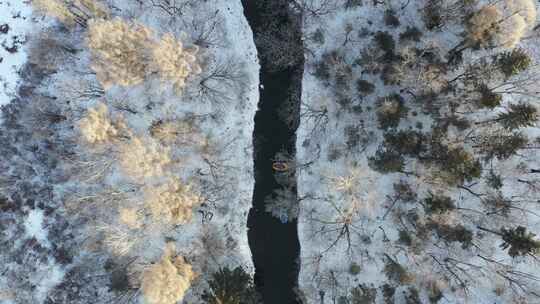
[(489, 230)]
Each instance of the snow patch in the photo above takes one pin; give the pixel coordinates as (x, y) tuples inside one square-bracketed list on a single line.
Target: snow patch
[(34, 226), (51, 276), (17, 15)]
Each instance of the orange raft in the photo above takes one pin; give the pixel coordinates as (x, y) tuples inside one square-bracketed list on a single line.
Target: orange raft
[(280, 166)]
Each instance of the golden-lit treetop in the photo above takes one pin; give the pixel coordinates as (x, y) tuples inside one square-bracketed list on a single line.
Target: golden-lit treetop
[(96, 126), (119, 50), (142, 157), (174, 62), (70, 12), (167, 281), (56, 9), (171, 202), (126, 53), (501, 24)]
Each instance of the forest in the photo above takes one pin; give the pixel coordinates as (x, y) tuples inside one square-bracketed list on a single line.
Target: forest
[(129, 151)]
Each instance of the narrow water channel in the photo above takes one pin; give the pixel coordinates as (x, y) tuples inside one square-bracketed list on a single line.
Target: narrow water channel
[(274, 245)]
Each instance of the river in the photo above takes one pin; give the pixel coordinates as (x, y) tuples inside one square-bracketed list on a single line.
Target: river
[(275, 246)]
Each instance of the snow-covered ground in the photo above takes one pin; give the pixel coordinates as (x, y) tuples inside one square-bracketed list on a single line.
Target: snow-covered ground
[(351, 226), (16, 21)]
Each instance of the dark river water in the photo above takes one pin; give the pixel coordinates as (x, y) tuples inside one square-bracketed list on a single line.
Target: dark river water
[(274, 245)]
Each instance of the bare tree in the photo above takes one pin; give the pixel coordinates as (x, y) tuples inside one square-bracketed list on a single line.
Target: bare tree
[(173, 8), (217, 81)]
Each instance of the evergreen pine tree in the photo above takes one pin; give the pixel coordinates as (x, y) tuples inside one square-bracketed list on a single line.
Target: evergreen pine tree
[(387, 161), (519, 241), (391, 109), (231, 287), (456, 165), (502, 146), (487, 98), (438, 203), (513, 62), (494, 180), (407, 142), (518, 116)]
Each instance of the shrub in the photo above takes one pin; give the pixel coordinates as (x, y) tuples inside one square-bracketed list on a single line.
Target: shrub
[(343, 100), (333, 64), (354, 268)]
